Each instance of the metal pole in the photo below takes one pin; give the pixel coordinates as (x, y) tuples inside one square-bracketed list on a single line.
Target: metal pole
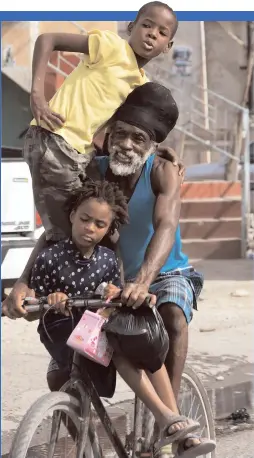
[(249, 51), (250, 33), (245, 175), (204, 83)]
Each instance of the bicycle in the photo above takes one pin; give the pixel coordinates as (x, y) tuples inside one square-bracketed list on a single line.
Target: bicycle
[(74, 401)]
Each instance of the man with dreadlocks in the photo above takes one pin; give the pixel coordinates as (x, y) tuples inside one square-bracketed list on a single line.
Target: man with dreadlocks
[(150, 245)]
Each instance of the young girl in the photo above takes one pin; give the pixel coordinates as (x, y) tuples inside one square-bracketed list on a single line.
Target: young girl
[(75, 266)]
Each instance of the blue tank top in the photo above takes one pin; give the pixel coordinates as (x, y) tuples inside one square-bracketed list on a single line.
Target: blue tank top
[(135, 236)]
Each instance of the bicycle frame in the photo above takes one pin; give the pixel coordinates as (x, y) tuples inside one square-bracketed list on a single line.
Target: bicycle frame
[(137, 441), (88, 394)]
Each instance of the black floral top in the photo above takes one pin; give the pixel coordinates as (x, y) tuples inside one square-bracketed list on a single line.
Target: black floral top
[(61, 267)]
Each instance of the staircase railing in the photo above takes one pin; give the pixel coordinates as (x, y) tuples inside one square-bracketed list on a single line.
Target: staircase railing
[(206, 117)]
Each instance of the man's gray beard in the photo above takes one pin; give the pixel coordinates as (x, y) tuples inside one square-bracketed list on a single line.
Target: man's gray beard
[(127, 169)]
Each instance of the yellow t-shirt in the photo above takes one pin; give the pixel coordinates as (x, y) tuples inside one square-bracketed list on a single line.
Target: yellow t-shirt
[(101, 82)]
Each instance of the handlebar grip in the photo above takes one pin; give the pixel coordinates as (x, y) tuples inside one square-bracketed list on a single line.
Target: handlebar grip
[(32, 304), (147, 301)]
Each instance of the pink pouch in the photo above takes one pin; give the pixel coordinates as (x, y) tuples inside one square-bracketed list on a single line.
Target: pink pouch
[(89, 340)]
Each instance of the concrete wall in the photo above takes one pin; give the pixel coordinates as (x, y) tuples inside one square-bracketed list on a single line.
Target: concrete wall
[(22, 35), (17, 36), (20, 38), (225, 57)]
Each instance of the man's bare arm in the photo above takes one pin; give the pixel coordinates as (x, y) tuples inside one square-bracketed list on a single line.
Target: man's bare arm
[(165, 220), (12, 305), (44, 46), (166, 184)]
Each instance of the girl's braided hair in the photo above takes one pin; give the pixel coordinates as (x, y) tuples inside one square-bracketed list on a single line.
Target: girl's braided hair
[(102, 191)]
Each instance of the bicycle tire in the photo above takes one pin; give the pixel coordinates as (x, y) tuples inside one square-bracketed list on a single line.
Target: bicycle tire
[(190, 375), (93, 444), (56, 400)]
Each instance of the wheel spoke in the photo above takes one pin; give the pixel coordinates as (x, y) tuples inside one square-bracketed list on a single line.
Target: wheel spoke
[(192, 402)]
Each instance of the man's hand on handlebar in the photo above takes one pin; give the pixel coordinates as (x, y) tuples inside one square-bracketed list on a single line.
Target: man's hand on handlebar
[(12, 306), (135, 294), (58, 300)]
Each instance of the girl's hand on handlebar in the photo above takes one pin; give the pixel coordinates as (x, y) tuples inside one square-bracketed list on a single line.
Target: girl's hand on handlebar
[(111, 292), (58, 300)]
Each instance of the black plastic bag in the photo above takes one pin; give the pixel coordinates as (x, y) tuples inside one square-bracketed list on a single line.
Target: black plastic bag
[(139, 335)]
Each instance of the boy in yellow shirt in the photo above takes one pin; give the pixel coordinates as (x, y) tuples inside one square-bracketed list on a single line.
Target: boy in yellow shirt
[(59, 142)]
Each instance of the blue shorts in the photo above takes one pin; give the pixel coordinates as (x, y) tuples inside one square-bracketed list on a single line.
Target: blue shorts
[(180, 287)]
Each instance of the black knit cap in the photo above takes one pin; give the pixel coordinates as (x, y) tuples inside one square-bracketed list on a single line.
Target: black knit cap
[(152, 108)]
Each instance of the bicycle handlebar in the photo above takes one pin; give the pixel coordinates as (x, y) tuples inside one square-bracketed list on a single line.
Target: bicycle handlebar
[(90, 301), (32, 304)]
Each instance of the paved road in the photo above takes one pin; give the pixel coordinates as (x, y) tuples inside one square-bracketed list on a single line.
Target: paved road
[(236, 445)]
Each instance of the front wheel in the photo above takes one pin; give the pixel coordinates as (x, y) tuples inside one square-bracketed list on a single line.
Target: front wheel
[(39, 436), (194, 403)]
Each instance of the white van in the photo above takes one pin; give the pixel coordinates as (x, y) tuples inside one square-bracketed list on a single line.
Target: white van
[(20, 223)]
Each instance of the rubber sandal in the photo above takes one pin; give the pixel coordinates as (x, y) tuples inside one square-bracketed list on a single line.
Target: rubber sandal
[(206, 446), (168, 438), (166, 452)]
